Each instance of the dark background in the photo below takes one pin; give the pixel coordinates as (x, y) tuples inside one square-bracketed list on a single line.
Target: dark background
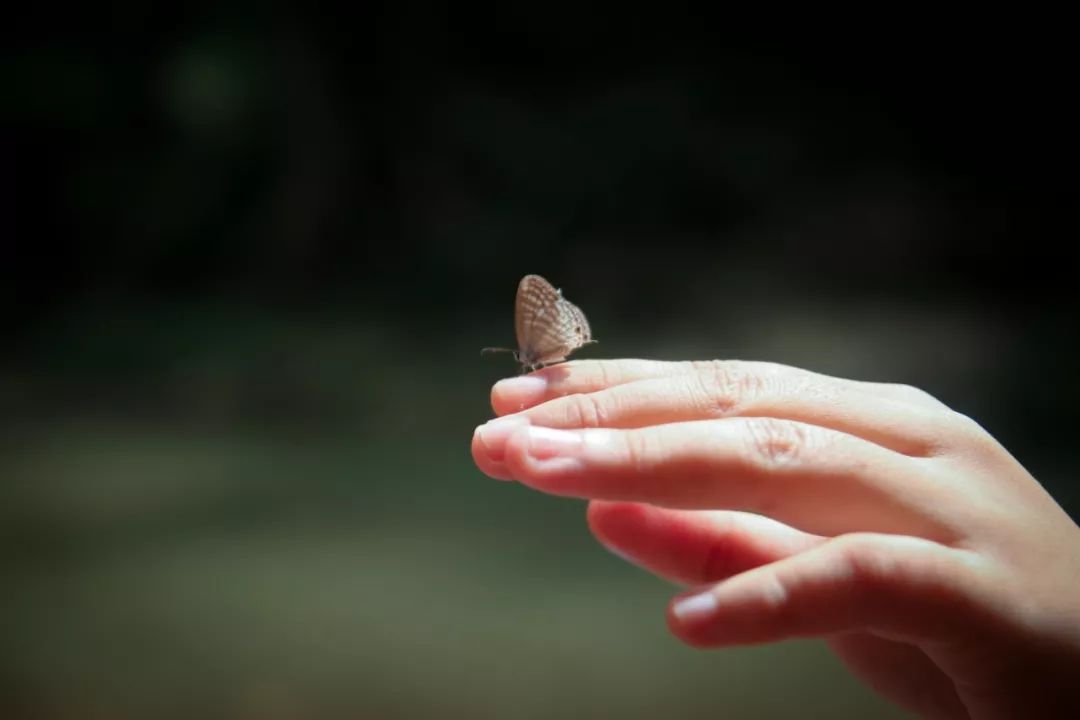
[(252, 252)]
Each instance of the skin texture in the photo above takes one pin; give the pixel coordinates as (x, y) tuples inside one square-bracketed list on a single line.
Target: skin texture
[(792, 504)]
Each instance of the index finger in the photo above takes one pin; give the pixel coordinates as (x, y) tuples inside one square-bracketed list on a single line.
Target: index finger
[(577, 376), (515, 394)]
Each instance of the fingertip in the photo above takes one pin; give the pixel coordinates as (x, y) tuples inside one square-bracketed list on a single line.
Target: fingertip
[(515, 394), (481, 455), (689, 617), (594, 517), (611, 521)]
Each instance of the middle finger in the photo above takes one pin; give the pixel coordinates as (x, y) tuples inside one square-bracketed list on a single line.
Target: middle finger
[(818, 480), (900, 426)]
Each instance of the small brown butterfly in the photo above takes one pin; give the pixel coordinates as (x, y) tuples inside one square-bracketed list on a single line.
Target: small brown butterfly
[(549, 327)]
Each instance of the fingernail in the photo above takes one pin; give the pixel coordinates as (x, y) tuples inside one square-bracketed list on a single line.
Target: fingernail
[(494, 434), (546, 443), (525, 388), (695, 607)]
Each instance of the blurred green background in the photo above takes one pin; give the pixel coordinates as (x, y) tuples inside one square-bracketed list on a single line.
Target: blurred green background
[(253, 253)]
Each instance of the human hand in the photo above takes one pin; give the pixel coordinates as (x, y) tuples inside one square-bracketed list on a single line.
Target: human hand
[(802, 505)]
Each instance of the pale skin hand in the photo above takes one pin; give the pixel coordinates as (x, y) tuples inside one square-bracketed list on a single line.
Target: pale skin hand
[(801, 505)]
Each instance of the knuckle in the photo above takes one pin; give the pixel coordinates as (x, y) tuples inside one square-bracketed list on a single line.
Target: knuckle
[(588, 411), (607, 373), (725, 385), (914, 394), (640, 450), (910, 391), (877, 562), (778, 443), (966, 433), (864, 556), (946, 432), (968, 426), (867, 563), (703, 366), (776, 595)]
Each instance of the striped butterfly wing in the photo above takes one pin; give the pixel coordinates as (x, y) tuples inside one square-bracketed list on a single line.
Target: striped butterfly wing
[(548, 326), (580, 332)]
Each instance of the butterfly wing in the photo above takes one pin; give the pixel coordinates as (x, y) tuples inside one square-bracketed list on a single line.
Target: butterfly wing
[(548, 326), (579, 329), (535, 296)]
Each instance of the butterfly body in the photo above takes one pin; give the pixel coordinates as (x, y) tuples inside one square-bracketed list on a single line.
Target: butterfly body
[(548, 326)]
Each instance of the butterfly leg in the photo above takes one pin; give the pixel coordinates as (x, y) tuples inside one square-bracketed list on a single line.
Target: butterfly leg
[(540, 366)]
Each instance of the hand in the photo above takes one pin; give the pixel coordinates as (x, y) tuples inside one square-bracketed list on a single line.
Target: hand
[(801, 505)]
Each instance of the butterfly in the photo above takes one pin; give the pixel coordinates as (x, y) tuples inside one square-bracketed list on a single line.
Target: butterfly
[(549, 327)]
